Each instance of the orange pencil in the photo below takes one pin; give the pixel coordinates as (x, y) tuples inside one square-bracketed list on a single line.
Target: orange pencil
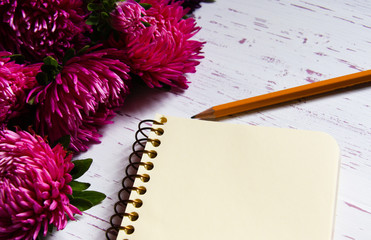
[(285, 95)]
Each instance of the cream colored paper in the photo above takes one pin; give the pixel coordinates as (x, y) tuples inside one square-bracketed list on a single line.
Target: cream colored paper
[(218, 181)]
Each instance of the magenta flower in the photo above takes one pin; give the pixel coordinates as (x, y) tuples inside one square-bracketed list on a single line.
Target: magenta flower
[(33, 186), (15, 82), (81, 98), (40, 28), (127, 17), (162, 53)]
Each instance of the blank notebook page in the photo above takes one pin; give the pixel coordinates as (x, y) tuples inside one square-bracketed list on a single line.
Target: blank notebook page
[(218, 181)]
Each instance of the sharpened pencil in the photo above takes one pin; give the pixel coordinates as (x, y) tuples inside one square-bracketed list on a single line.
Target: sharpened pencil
[(285, 95)]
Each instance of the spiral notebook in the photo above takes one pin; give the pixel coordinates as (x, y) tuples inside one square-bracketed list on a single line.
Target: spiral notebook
[(200, 180)]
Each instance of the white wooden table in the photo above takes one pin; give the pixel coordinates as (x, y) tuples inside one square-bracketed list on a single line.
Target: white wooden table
[(256, 47)]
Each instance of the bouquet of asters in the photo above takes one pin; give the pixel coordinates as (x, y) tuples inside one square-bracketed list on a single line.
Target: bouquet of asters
[(65, 66)]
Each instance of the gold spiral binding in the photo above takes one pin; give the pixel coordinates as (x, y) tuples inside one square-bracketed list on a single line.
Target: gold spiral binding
[(140, 190), (143, 177), (137, 203), (133, 216), (141, 138), (128, 229), (147, 165)]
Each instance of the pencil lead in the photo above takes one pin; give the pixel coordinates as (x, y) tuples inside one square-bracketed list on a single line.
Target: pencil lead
[(207, 114)]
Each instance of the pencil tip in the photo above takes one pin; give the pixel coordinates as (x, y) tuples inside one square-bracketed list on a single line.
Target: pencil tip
[(207, 114)]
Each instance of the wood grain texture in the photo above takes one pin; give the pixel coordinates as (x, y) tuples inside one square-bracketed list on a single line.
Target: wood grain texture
[(255, 47)]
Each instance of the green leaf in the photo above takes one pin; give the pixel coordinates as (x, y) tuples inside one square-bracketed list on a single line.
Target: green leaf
[(64, 141), (93, 196), (42, 78), (109, 5), (51, 61), (104, 15), (92, 20), (81, 204), (102, 28), (17, 58), (78, 186), (83, 50), (48, 69), (146, 24), (94, 7), (70, 53), (32, 100), (81, 166), (146, 6)]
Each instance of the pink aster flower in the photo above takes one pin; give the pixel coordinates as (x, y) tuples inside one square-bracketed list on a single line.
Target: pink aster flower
[(33, 186), (127, 17), (15, 82), (81, 98), (164, 52), (40, 28)]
